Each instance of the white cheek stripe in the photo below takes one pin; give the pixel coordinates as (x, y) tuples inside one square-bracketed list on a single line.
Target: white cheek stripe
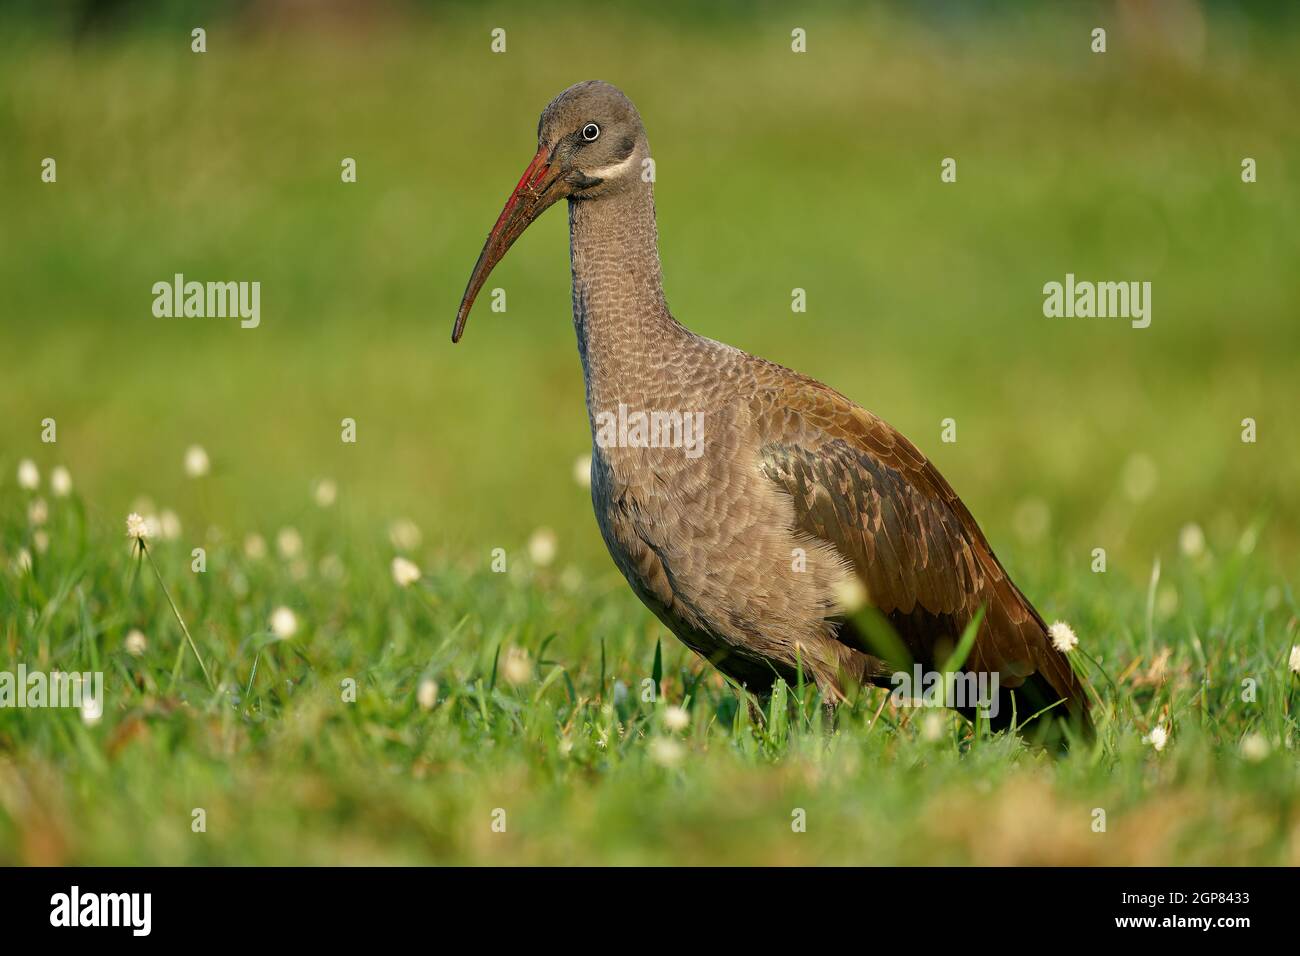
[(606, 171)]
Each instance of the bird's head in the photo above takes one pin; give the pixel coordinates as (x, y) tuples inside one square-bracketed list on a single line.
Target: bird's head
[(590, 144)]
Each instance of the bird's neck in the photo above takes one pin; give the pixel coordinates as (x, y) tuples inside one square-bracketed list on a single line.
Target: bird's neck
[(626, 335)]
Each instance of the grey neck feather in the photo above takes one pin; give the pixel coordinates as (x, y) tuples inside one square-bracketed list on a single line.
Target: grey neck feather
[(626, 335)]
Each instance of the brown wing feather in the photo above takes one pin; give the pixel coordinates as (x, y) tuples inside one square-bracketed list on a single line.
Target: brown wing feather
[(860, 486)]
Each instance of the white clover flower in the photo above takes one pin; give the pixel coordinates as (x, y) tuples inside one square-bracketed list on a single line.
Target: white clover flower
[(326, 493), (850, 594), (542, 547), (426, 695), (932, 726), (405, 572), (23, 561), (676, 719), (61, 482), (92, 707), (517, 669), (38, 512), (196, 461), (1191, 540), (40, 541), (289, 543), (582, 470), (169, 525), (284, 623), (404, 534), (255, 547), (137, 528), (1063, 637), (1254, 747), (29, 476), (1293, 661), (1157, 738), (667, 752), (136, 643)]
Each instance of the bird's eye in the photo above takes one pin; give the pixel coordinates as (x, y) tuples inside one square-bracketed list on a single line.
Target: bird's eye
[(590, 132)]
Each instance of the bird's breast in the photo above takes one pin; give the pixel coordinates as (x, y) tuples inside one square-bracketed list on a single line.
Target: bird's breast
[(707, 541)]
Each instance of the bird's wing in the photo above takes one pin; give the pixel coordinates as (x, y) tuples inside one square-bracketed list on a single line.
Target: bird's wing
[(860, 486)]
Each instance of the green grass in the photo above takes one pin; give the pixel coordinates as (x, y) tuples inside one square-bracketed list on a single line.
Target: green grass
[(287, 770), (774, 171)]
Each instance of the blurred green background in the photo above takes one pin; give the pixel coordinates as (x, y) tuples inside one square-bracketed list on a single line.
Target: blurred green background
[(775, 170)]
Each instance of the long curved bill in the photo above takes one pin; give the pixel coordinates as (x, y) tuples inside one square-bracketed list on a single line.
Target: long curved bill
[(532, 196)]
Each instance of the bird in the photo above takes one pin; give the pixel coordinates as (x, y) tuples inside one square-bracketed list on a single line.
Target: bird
[(751, 508)]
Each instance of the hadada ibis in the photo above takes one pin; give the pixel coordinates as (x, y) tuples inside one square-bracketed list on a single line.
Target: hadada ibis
[(745, 538)]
